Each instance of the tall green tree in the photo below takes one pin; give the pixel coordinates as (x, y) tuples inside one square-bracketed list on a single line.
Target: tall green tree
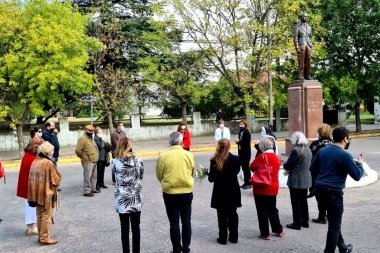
[(43, 55), (179, 76), (239, 36), (120, 26), (352, 67)]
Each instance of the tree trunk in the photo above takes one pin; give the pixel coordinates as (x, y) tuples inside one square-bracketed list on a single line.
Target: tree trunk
[(19, 125), (20, 139), (184, 116), (110, 123), (278, 121), (357, 117), (40, 120), (246, 109)]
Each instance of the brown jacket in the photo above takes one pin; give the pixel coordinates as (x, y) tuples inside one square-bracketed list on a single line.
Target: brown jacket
[(115, 137), (87, 150), (44, 180)]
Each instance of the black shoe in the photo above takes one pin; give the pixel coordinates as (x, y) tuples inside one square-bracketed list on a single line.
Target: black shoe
[(243, 185), (293, 226), (1, 220), (349, 248), (233, 240), (305, 225), (247, 186), (308, 78), (220, 241), (319, 221), (104, 186), (311, 194), (97, 188), (88, 194)]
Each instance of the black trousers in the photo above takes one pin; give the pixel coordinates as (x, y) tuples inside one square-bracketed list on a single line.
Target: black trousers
[(267, 210), (244, 162), (179, 206), (100, 167), (228, 219), (333, 201), (322, 212), (300, 207), (134, 220)]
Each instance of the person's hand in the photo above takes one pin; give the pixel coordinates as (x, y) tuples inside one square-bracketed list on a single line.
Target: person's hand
[(360, 160), (236, 141), (256, 141)]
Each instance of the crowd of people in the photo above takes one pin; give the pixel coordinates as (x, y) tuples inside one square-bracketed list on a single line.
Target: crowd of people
[(320, 170)]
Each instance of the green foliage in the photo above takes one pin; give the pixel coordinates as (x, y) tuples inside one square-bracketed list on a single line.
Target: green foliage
[(215, 97), (122, 28), (238, 38), (352, 66), (178, 74), (43, 55)]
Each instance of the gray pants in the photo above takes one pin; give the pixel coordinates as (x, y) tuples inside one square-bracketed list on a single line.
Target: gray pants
[(90, 176)]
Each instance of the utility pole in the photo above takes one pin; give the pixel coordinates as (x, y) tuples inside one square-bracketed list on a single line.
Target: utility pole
[(269, 59)]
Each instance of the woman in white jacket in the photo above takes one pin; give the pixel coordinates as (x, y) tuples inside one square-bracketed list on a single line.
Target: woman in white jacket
[(222, 132)]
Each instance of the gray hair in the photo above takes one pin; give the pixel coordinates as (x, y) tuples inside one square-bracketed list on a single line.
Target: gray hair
[(97, 129), (175, 138), (46, 148), (298, 138), (265, 144)]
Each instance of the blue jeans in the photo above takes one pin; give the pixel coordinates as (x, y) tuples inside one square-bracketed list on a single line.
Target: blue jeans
[(179, 205), (332, 199)]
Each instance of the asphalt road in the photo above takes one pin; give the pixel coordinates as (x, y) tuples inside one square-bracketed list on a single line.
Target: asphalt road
[(92, 225)]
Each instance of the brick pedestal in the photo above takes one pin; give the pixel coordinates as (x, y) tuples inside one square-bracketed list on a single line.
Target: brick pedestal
[(304, 109)]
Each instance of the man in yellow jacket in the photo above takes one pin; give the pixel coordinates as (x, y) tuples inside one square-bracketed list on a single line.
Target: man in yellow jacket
[(175, 170), (88, 152)]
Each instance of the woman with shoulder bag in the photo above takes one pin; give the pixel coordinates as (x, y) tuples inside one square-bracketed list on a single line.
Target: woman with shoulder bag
[(299, 180), (266, 195)]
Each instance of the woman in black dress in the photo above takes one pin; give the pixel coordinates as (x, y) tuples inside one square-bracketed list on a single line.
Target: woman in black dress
[(226, 196)]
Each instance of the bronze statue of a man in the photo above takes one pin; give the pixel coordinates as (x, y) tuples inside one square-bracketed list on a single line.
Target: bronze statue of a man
[(303, 45)]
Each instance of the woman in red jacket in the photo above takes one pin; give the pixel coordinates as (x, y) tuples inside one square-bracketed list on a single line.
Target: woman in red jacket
[(186, 142), (265, 196), (22, 188)]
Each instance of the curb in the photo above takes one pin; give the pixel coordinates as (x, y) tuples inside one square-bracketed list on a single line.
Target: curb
[(207, 147)]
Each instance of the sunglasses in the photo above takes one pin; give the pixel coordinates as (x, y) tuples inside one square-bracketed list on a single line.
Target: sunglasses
[(40, 131)]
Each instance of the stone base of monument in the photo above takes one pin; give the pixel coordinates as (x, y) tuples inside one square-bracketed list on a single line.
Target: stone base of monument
[(370, 176)]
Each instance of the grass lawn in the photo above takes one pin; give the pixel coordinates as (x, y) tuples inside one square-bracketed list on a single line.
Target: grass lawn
[(363, 116)]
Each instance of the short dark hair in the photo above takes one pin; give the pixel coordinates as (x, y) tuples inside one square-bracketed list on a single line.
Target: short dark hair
[(340, 133), (117, 124)]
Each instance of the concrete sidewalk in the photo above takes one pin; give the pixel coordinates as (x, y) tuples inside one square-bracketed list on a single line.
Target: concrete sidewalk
[(154, 147)]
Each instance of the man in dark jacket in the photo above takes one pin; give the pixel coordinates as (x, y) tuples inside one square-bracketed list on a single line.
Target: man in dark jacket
[(331, 166), (49, 135)]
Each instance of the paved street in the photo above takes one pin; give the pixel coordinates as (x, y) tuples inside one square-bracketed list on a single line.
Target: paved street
[(92, 225)]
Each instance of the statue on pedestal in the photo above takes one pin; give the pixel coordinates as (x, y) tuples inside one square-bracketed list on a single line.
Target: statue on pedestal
[(303, 45)]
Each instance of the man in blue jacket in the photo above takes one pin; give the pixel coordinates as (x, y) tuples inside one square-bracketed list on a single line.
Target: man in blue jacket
[(330, 167)]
